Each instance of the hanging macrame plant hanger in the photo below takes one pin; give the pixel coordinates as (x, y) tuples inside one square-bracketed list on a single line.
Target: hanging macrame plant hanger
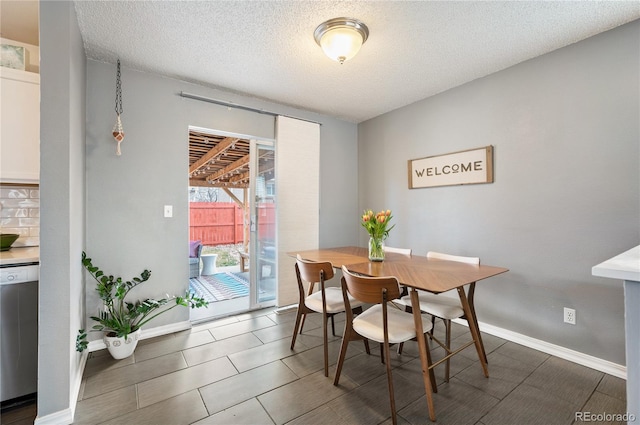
[(118, 131)]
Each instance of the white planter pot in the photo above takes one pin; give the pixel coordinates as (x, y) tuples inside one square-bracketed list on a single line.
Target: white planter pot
[(119, 348)]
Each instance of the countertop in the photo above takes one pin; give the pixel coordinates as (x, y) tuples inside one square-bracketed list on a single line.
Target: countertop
[(625, 266), (20, 255)]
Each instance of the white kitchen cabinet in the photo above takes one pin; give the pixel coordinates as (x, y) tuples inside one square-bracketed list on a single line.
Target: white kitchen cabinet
[(20, 126)]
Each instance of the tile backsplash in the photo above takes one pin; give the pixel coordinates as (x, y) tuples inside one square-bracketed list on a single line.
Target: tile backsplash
[(20, 213)]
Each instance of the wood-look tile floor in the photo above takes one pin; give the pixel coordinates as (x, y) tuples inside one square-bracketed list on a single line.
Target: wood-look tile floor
[(240, 370)]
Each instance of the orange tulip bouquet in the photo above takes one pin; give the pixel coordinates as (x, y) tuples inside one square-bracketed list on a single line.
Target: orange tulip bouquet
[(376, 226)]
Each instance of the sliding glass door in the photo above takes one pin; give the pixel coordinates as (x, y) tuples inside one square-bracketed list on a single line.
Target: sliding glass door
[(263, 230)]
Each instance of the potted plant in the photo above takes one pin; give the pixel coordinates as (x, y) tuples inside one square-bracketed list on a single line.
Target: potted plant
[(121, 320)]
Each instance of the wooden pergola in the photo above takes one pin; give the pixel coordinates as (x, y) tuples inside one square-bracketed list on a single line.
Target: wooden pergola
[(218, 161), (223, 162)]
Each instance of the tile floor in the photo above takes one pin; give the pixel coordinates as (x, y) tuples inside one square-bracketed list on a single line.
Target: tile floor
[(240, 370)]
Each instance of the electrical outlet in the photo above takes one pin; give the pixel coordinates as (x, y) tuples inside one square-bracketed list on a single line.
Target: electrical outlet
[(569, 316), (168, 211)]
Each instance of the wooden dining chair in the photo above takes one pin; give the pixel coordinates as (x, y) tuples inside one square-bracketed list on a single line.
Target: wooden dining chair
[(445, 306), (378, 323), (327, 300)]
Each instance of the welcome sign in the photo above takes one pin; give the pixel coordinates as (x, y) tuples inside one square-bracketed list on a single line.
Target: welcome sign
[(465, 167)]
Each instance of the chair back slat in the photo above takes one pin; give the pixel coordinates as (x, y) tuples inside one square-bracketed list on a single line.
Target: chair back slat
[(449, 257), (370, 289), (310, 270), (403, 251)]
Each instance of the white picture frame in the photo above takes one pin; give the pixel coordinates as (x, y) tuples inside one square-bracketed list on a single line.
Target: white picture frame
[(12, 56), (471, 166)]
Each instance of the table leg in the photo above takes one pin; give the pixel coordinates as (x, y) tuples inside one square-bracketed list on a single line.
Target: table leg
[(473, 328), (424, 353), (470, 294)]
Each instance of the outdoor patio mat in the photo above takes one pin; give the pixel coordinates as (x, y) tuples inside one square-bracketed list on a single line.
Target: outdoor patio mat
[(218, 287)]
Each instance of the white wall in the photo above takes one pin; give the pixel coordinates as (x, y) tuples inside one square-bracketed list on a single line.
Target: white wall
[(565, 129)]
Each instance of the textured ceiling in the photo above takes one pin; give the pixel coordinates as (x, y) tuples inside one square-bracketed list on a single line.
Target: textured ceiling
[(266, 48)]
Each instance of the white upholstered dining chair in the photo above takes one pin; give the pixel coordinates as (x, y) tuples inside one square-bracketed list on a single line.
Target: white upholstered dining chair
[(445, 306), (402, 251), (327, 300), (377, 323)]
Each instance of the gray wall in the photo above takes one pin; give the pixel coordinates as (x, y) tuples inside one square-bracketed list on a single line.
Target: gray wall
[(126, 230), (119, 199), (62, 221), (565, 128), (339, 210), (566, 196)]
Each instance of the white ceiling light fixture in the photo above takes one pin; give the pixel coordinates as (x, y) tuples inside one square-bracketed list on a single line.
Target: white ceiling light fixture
[(341, 38)]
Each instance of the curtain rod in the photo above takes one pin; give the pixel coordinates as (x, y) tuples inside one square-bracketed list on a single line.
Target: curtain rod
[(236, 106)]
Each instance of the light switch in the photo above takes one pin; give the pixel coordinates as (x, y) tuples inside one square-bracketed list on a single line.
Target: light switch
[(168, 211)]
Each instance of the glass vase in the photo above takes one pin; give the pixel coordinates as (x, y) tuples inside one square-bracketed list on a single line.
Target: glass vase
[(376, 248)]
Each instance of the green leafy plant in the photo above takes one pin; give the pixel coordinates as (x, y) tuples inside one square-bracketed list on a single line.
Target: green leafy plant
[(121, 317), (81, 341)]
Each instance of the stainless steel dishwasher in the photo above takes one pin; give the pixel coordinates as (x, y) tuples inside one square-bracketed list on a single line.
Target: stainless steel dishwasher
[(18, 330)]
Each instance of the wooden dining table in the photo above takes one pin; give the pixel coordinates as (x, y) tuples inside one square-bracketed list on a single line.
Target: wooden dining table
[(418, 273)]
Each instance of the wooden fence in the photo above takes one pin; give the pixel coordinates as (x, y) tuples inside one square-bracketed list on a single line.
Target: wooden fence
[(221, 223)]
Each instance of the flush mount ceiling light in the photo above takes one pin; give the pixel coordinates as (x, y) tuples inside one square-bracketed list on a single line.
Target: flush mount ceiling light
[(341, 38)]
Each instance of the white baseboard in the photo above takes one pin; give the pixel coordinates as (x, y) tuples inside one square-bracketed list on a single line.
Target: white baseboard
[(592, 362), (66, 416), (98, 344), (75, 387), (286, 309), (57, 418)]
